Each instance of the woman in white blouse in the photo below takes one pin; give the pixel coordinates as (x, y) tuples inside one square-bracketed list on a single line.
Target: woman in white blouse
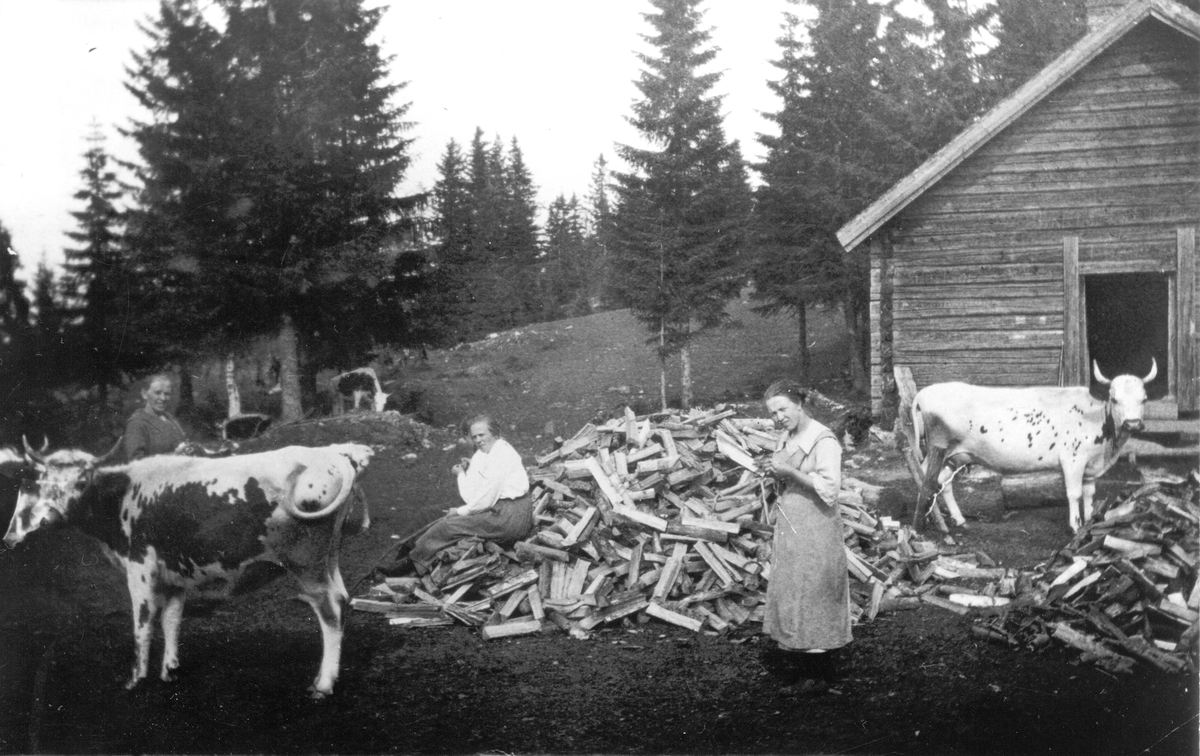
[(808, 595), (494, 488)]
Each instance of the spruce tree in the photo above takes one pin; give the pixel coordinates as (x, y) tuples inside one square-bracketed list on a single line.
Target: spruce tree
[(683, 209), (521, 243), (790, 268), (1029, 35), (53, 359), (446, 303), (268, 175), (95, 280), (600, 234), (565, 265), (14, 307), (849, 128), (15, 342), (488, 197)]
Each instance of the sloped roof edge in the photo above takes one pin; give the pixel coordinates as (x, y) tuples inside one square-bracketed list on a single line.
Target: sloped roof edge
[(907, 189)]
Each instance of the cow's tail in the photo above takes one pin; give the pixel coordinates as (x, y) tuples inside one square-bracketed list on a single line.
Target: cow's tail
[(918, 426)]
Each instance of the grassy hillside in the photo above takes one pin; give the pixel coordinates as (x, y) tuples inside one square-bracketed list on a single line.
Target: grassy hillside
[(583, 367)]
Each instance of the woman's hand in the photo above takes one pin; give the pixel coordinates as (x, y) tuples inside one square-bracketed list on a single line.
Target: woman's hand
[(770, 466), (453, 512)]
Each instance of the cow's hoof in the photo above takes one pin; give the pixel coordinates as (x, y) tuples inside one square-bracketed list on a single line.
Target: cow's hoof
[(132, 683), (318, 695)]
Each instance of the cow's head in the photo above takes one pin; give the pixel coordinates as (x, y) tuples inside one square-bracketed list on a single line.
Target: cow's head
[(46, 495), (380, 400), (1127, 397)]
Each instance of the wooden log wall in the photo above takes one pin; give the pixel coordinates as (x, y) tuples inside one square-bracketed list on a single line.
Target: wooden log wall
[(1112, 157)]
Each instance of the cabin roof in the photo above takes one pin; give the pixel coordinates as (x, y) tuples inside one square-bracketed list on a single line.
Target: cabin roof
[(907, 189)]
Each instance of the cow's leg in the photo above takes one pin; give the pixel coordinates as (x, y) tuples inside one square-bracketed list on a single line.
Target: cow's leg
[(145, 603), (1076, 491), (327, 595), (1087, 494), (172, 615), (947, 487), (361, 499)]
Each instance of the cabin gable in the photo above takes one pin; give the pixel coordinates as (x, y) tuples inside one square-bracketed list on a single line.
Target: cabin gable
[(983, 276)]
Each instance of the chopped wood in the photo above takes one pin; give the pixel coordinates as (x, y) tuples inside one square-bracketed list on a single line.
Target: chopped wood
[(1130, 573), (538, 553), (528, 577), (506, 629), (1092, 649), (951, 606), (641, 518), (655, 609), (663, 518)]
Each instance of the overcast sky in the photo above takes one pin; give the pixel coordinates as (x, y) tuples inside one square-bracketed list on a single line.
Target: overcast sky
[(556, 74)]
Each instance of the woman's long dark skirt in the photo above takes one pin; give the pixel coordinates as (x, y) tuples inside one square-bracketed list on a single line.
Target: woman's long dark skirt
[(509, 520)]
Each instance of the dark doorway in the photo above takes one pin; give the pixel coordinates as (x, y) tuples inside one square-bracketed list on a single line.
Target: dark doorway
[(1127, 325)]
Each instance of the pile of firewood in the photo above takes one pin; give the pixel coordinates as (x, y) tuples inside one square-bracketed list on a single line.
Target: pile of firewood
[(665, 517), (1124, 590)]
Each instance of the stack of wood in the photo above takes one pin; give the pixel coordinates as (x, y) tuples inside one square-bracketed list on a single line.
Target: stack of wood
[(1125, 589), (664, 517)]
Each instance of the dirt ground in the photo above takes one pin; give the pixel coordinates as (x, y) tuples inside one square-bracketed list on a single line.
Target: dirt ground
[(914, 682)]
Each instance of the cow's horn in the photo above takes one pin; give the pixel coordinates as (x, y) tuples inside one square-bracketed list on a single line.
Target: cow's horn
[(111, 452), (1153, 371), (29, 452), (1099, 377)]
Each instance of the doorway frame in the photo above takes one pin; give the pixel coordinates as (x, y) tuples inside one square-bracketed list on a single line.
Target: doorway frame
[(1182, 347)]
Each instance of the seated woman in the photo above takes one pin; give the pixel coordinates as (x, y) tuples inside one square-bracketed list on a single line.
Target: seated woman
[(496, 505), (152, 429)]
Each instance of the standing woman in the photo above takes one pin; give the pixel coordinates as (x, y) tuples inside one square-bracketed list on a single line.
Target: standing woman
[(152, 429), (808, 594)]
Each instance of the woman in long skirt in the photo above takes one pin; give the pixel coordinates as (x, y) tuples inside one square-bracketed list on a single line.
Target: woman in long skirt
[(808, 595)]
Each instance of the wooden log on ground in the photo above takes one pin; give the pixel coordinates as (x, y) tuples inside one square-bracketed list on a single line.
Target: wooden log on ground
[(1033, 490), (1092, 649), (655, 609), (507, 629)]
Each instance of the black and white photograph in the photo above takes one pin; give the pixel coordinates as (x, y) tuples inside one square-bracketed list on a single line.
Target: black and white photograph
[(629, 377)]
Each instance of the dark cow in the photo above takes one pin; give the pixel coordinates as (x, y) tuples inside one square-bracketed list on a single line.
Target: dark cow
[(244, 426), (356, 385), (1019, 430), (187, 526)]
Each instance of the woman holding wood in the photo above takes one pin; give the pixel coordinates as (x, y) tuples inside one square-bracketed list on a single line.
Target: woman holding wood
[(494, 488), (808, 595)]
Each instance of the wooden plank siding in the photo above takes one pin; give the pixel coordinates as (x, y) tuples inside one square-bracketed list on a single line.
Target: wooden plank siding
[(1111, 158)]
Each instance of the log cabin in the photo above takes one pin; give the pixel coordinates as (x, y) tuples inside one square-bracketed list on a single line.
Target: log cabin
[(1057, 229)]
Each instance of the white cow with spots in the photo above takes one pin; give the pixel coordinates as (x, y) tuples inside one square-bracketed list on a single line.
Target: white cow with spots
[(1020, 430)]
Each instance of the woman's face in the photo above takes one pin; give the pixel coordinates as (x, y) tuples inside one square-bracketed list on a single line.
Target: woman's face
[(786, 414), (157, 395), (482, 437)]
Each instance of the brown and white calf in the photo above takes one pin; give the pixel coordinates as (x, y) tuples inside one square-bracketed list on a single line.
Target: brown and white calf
[(190, 526)]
